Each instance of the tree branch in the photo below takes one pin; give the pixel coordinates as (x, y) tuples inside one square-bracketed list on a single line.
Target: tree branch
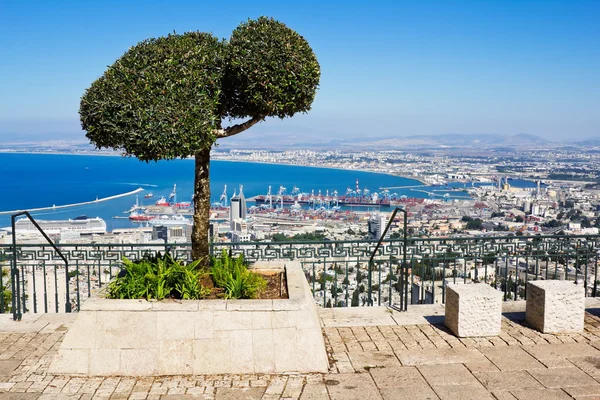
[(235, 129)]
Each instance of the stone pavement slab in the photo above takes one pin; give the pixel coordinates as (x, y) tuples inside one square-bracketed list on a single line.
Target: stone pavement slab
[(351, 387), (372, 359), (448, 375), (537, 394), (398, 377), (239, 393), (417, 393), (463, 393), (563, 377), (507, 380), (511, 358)]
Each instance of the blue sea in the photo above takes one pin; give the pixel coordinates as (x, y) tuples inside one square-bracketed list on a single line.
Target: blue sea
[(43, 180)]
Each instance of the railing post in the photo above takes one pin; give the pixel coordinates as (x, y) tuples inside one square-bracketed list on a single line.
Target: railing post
[(14, 276)]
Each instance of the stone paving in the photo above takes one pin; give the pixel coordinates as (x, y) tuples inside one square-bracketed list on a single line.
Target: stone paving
[(375, 354)]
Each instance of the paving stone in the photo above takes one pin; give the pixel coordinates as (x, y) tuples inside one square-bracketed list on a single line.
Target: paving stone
[(351, 387), (314, 391), (583, 391), (239, 393), (591, 365), (507, 380), (563, 377), (420, 393), (8, 366), (503, 396), (293, 388), (462, 393), (18, 396), (555, 355), (373, 359), (440, 356), (511, 358), (398, 377), (448, 375), (537, 394)]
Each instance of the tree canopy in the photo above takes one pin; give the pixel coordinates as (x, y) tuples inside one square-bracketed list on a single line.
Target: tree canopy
[(166, 97)]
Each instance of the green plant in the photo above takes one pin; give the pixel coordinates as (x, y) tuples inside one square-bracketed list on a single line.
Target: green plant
[(158, 278), (232, 275)]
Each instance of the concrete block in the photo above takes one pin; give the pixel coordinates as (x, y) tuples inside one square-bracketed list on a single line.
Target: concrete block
[(83, 334), (125, 330), (211, 356), (262, 350), (175, 357), (101, 304), (232, 320), (262, 320), (212, 305), (70, 361), (254, 305), (473, 310), (555, 306), (286, 350), (176, 305), (241, 351), (139, 362), (104, 362), (174, 325), (203, 324), (310, 341)]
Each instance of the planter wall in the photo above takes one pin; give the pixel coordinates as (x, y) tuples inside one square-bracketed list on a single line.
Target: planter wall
[(141, 338)]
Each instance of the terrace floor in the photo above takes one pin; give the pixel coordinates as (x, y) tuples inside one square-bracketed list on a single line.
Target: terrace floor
[(375, 353)]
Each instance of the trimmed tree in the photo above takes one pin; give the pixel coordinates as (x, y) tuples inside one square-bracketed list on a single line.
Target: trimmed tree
[(166, 98)]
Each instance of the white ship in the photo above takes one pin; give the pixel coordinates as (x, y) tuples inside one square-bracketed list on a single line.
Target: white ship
[(171, 220), (82, 224)]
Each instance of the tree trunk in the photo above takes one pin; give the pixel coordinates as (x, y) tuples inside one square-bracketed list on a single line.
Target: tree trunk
[(200, 239)]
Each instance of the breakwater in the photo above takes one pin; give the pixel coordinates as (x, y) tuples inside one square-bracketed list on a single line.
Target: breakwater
[(55, 207)]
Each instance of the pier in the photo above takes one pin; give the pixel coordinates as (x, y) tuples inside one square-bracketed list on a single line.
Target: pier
[(54, 207)]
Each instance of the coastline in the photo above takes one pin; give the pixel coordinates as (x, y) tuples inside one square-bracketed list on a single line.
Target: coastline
[(329, 167), (418, 179)]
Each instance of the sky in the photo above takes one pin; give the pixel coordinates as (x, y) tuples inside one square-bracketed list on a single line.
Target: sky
[(389, 68)]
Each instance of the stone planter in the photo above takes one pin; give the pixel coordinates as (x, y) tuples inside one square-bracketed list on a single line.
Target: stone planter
[(195, 337)]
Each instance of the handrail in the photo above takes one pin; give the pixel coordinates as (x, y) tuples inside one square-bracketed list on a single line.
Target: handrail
[(16, 296), (403, 304)]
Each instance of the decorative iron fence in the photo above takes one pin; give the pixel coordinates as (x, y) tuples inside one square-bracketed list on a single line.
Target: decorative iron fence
[(339, 273)]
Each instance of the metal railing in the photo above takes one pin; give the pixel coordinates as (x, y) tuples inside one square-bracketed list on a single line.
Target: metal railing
[(339, 272), (15, 280)]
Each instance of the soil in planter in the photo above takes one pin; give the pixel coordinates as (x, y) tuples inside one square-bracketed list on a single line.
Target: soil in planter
[(276, 286)]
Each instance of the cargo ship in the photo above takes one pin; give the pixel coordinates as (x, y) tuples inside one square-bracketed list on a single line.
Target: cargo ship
[(353, 198)]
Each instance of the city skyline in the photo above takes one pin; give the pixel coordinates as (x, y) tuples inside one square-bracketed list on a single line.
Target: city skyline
[(388, 69)]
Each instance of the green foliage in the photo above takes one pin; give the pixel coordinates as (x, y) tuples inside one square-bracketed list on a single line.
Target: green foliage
[(552, 224), (165, 97), (316, 237), (158, 278), (232, 275), (160, 100), (475, 224), (271, 71), (355, 302)]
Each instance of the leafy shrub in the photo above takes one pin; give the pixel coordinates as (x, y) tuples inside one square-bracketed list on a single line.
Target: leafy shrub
[(158, 278), (232, 275)]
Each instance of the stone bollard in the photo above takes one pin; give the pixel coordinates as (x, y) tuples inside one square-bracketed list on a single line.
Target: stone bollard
[(473, 310), (555, 306)]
